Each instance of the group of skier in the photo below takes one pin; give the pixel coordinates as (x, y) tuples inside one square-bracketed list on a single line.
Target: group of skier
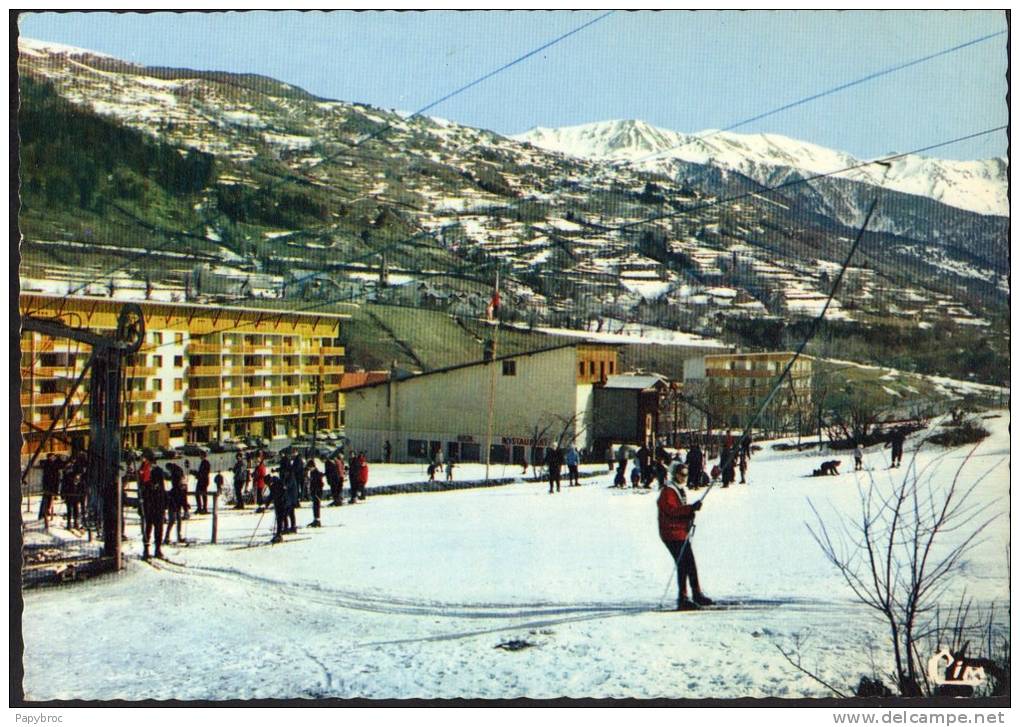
[(163, 490), (64, 478), (647, 464)]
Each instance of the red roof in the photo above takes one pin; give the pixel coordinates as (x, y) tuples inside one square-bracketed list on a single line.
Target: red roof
[(351, 379)]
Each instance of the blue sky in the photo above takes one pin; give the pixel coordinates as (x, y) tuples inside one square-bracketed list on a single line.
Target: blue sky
[(680, 70)]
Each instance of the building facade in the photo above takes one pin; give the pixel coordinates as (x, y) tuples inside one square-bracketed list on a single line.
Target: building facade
[(728, 389), (203, 373), (628, 409), (533, 400)]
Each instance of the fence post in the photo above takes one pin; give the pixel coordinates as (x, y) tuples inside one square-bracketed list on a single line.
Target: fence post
[(215, 516)]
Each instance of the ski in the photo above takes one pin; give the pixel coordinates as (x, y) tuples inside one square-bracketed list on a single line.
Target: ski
[(154, 562), (268, 542)]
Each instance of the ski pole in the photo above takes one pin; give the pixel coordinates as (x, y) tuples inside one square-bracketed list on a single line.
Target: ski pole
[(257, 525)]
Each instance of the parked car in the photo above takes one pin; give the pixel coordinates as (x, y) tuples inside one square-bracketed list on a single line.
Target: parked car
[(192, 450), (255, 442), (166, 453)]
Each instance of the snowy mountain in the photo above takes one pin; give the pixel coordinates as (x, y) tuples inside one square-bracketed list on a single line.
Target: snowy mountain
[(978, 186), (316, 199)]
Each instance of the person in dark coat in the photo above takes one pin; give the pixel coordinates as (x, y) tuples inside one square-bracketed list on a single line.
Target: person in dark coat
[(152, 501), (278, 496), (177, 501), (644, 462), (50, 487), (332, 478), (202, 485), (742, 462), (240, 475), (676, 523), (896, 442), (727, 460), (292, 492), (297, 468), (695, 465), (554, 463), (354, 472), (745, 446), (315, 484), (73, 492)]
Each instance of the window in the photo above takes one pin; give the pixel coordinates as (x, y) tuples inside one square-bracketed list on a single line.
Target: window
[(178, 338), (157, 337), (509, 368), (591, 368), (612, 366), (178, 361), (157, 361), (417, 448), (602, 370), (178, 407), (178, 384), (580, 368), (157, 384), (157, 407)]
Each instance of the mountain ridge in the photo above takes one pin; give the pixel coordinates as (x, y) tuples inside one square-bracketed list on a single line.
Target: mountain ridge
[(976, 185)]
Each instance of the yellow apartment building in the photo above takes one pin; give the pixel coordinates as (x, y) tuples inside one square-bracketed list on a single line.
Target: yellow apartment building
[(204, 372), (734, 384)]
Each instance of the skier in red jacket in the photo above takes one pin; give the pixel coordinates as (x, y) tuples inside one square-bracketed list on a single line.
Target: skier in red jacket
[(676, 521)]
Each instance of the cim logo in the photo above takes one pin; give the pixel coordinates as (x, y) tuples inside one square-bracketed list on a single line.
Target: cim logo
[(956, 672)]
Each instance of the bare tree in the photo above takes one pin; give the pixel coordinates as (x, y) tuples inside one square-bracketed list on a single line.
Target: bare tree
[(900, 554)]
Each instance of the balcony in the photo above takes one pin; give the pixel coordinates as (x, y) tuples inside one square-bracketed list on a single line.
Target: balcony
[(207, 371), (205, 348), (140, 372), (143, 395), (206, 393), (51, 372), (55, 398), (140, 419), (332, 350)]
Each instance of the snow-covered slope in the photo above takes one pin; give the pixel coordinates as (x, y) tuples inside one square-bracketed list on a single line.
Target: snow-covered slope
[(978, 186), (408, 595)]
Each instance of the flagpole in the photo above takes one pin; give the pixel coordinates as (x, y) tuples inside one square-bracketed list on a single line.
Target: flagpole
[(494, 306)]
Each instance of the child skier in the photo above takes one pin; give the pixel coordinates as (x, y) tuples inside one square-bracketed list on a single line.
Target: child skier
[(676, 523)]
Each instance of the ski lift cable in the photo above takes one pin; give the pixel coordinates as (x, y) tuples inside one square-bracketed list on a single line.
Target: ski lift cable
[(419, 112), (821, 94)]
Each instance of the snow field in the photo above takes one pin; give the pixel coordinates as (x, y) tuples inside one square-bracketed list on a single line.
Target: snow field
[(409, 595)]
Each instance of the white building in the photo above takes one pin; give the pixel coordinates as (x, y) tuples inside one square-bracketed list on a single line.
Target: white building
[(537, 399)]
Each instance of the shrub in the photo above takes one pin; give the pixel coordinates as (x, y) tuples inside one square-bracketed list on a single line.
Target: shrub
[(970, 432)]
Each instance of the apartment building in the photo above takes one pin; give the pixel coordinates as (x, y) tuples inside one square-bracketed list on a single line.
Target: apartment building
[(204, 372), (730, 387)]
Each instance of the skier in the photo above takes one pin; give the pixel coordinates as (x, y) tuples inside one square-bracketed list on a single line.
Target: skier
[(609, 458), (315, 485), (50, 487), (297, 469), (332, 478), (363, 478), (449, 470), (202, 485), (553, 463), (338, 498), (745, 445), (743, 467), (727, 462), (573, 459), (621, 467), (676, 523), (695, 463), (278, 496), (292, 493), (387, 451), (260, 482), (73, 490), (858, 458), (239, 473), (177, 501), (635, 475), (644, 461), (152, 506), (354, 474), (896, 442)]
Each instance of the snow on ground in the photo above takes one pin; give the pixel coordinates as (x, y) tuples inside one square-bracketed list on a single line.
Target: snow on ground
[(409, 596)]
